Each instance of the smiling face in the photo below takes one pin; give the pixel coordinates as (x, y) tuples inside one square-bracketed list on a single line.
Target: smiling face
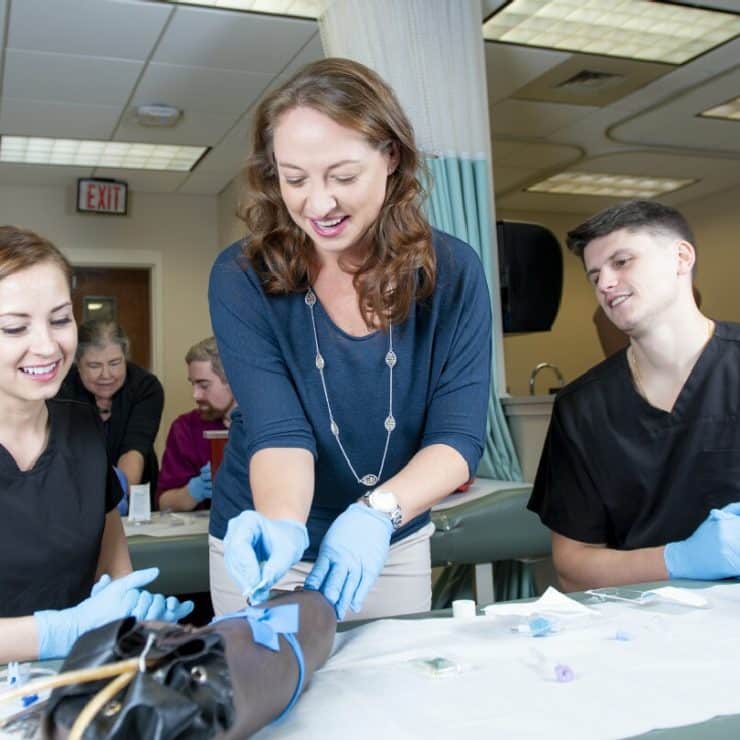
[(332, 181), (212, 395), (638, 275), (38, 334), (103, 370)]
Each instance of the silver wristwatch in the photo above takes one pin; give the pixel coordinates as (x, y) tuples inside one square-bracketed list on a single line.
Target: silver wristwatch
[(386, 503)]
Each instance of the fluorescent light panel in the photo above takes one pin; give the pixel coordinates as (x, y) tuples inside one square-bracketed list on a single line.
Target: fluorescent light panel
[(82, 153), (299, 8), (612, 186), (729, 110), (635, 29)]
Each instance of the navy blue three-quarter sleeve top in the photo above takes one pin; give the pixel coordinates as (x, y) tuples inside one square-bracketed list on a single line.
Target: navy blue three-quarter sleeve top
[(441, 383)]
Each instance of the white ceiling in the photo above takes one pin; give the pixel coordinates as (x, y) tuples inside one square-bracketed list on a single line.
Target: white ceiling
[(77, 68)]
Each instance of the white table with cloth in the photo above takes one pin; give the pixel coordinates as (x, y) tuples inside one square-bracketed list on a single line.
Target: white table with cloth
[(634, 669)]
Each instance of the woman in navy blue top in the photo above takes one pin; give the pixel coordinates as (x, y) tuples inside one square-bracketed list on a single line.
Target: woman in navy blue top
[(357, 342)]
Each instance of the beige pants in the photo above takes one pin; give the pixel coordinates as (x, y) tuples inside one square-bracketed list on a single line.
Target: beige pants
[(404, 586)]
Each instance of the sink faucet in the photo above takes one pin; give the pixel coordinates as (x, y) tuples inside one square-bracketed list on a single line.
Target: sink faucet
[(542, 366)]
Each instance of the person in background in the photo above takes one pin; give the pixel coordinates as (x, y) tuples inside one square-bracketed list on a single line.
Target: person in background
[(128, 399), (358, 339), (638, 479), (65, 564), (185, 480)]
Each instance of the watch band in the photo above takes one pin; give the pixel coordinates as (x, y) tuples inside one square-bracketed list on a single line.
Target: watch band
[(394, 514)]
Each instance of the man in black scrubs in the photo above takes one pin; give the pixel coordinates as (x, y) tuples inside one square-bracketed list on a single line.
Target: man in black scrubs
[(640, 473)]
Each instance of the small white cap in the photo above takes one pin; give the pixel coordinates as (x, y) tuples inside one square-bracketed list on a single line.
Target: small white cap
[(463, 608)]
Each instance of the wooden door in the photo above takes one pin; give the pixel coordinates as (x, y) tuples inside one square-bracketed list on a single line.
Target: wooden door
[(122, 294)]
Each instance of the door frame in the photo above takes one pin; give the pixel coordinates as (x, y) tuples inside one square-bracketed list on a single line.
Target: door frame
[(137, 258)]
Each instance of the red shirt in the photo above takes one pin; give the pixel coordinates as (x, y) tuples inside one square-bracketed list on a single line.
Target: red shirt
[(186, 453)]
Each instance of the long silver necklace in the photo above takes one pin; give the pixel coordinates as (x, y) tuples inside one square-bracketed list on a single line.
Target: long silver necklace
[(391, 360)]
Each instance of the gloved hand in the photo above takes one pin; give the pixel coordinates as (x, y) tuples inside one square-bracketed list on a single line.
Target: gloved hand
[(351, 557), (108, 600), (258, 551), (712, 551), (201, 486)]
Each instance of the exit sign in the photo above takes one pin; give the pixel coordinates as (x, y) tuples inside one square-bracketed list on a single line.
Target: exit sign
[(102, 196)]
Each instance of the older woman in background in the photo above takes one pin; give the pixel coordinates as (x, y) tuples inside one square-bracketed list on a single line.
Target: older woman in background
[(128, 398)]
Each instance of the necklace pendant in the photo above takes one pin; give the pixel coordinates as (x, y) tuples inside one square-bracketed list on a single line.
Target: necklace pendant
[(389, 423), (334, 428), (369, 479), (391, 359), (310, 298), (320, 361)]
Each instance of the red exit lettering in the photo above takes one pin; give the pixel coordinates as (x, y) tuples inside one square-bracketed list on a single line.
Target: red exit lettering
[(102, 197)]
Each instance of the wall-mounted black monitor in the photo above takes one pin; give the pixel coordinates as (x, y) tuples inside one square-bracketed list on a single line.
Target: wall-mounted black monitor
[(531, 276)]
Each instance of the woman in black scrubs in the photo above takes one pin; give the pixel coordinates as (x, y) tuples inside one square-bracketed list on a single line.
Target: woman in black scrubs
[(60, 532)]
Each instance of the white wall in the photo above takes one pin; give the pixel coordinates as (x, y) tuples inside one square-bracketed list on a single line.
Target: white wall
[(181, 229)]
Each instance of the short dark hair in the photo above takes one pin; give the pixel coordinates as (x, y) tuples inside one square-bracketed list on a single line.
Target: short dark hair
[(634, 215)]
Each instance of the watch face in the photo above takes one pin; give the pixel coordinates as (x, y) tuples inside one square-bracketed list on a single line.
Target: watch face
[(384, 501)]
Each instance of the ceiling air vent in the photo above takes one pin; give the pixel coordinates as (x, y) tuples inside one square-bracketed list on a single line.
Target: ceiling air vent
[(591, 81)]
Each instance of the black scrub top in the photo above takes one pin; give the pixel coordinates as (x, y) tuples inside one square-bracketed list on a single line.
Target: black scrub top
[(52, 516), (617, 471)]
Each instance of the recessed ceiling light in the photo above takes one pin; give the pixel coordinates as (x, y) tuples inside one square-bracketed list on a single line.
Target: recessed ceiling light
[(636, 29), (90, 153), (612, 186), (729, 110), (299, 8)]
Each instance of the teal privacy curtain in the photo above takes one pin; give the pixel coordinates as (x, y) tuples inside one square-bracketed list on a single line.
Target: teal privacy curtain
[(458, 204)]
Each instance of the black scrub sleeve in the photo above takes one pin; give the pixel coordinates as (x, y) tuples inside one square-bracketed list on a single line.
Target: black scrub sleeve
[(147, 404), (565, 494)]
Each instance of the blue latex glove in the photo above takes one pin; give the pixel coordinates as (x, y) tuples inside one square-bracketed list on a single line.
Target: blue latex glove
[(108, 600), (259, 551), (201, 486), (351, 557), (152, 606), (712, 551)]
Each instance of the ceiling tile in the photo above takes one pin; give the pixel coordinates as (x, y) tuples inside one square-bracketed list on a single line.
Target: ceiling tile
[(195, 128), (214, 91), (713, 175), (204, 183), (40, 175), (533, 155), (505, 178), (510, 67), (63, 120), (229, 154), (525, 118), (125, 29), (645, 163), (231, 40), (694, 132), (68, 78), (311, 52)]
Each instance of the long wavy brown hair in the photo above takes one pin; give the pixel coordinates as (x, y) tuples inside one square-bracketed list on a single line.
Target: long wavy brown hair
[(399, 264)]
